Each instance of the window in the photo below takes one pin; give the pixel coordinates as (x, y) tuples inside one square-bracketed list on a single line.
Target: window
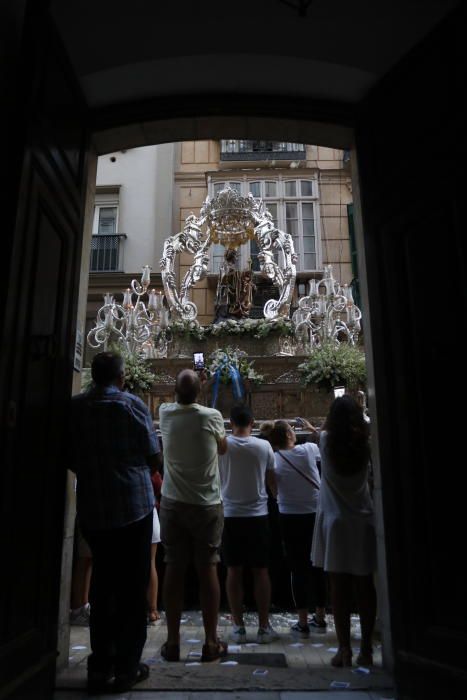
[(293, 205), (237, 186), (105, 219), (106, 241), (261, 150)]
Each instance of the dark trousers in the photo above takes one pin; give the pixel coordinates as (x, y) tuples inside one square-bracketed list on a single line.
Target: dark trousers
[(121, 560), (308, 582)]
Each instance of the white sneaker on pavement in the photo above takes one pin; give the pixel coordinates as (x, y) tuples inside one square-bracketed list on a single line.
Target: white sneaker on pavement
[(238, 634), (80, 616)]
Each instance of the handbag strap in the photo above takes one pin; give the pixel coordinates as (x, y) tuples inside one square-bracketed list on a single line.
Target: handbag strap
[(299, 471)]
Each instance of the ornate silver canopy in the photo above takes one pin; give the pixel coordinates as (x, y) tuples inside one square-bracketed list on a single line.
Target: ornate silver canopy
[(232, 220)]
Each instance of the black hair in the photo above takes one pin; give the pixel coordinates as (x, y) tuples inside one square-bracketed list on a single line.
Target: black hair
[(106, 368), (347, 436), (241, 415)]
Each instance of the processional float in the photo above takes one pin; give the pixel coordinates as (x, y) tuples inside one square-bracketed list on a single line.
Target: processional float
[(328, 313)]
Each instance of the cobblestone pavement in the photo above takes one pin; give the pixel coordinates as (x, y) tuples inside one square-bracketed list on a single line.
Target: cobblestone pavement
[(307, 670)]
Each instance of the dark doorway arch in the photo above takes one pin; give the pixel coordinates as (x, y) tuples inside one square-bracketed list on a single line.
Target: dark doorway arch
[(409, 132)]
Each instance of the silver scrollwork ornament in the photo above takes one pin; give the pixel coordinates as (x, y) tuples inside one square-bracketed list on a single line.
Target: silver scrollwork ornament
[(232, 220)]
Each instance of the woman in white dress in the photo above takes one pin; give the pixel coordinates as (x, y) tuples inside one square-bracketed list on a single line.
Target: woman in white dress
[(344, 542)]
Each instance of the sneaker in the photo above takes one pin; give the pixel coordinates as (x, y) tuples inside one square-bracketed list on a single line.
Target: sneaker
[(80, 616), (317, 625), (302, 631), (266, 635), (238, 634)]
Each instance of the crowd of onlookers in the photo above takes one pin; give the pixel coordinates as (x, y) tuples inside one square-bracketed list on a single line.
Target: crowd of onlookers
[(212, 503)]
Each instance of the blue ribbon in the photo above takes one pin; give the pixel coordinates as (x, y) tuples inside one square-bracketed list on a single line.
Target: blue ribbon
[(236, 378)]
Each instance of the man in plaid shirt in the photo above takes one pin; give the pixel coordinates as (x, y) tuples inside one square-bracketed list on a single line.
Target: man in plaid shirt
[(113, 444)]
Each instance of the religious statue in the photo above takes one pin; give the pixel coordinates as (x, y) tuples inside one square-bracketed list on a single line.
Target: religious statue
[(234, 294)]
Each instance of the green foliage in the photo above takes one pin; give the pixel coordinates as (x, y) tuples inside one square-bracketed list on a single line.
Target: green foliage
[(237, 358), (188, 329), (331, 365), (139, 378), (86, 379)]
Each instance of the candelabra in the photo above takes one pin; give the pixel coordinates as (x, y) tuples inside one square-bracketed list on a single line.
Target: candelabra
[(140, 330), (328, 314)]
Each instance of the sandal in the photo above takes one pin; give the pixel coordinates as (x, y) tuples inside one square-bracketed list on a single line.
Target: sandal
[(212, 652), (170, 652), (126, 682), (342, 658), (99, 682), (153, 616), (365, 658)]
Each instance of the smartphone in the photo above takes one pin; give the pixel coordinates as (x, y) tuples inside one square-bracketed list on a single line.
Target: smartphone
[(299, 421), (198, 361)]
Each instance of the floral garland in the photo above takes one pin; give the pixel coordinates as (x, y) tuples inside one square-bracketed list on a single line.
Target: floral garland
[(255, 327), (225, 357), (330, 365), (189, 329)]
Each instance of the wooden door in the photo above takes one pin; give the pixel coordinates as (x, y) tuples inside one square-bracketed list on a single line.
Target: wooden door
[(411, 155), (37, 356)]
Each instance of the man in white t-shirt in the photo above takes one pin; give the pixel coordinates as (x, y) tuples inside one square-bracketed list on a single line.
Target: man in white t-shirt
[(246, 468), (191, 514)]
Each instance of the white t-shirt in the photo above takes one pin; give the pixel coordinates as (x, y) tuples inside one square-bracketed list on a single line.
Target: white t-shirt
[(295, 495), (190, 434), (243, 470)]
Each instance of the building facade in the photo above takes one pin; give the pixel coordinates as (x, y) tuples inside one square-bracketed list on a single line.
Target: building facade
[(144, 195)]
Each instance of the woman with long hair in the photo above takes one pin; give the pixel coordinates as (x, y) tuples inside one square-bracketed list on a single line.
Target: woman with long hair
[(298, 483), (344, 541)]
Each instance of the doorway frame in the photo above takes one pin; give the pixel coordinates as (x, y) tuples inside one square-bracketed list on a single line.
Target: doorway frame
[(134, 133)]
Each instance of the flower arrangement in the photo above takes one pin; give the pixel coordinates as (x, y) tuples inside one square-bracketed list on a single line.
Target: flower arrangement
[(139, 378), (330, 365), (224, 358), (255, 327)]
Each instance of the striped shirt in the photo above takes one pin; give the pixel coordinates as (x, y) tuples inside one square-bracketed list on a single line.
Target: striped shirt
[(111, 437)]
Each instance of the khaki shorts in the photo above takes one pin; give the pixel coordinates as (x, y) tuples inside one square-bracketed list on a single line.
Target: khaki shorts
[(190, 531)]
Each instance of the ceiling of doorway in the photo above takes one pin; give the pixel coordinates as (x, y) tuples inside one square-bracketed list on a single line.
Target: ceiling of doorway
[(124, 51)]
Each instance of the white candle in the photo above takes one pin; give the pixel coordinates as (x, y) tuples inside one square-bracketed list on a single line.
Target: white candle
[(127, 299), (164, 319), (152, 303), (146, 276)]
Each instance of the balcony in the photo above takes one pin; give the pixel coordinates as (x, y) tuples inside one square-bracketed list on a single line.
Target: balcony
[(107, 252), (247, 151)]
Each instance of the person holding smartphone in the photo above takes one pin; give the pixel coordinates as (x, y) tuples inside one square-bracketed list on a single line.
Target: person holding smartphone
[(198, 361), (298, 484), (191, 513)]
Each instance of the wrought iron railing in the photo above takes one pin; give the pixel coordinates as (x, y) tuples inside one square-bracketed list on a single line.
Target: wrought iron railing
[(261, 150), (107, 252)]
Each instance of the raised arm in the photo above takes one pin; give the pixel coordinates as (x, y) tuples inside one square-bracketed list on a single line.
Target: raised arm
[(222, 445), (271, 482)]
